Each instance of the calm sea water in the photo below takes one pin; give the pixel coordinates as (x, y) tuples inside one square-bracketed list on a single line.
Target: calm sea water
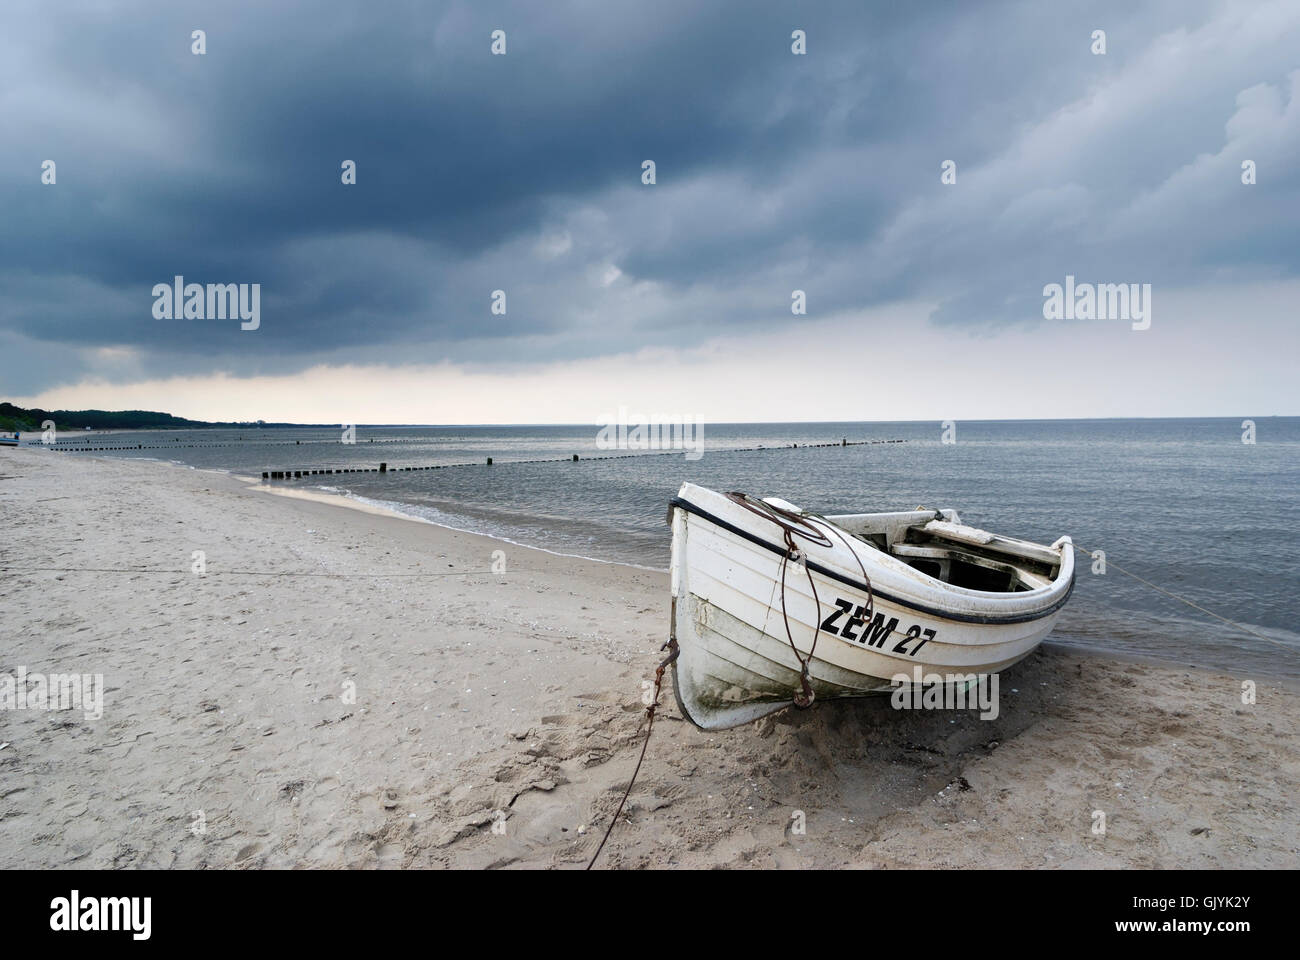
[(1182, 503)]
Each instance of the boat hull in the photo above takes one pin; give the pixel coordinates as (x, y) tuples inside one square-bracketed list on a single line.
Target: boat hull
[(735, 661)]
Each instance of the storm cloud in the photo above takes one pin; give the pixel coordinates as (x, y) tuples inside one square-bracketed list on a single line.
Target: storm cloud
[(522, 172)]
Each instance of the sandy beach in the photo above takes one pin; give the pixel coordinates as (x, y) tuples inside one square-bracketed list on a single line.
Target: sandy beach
[(344, 688)]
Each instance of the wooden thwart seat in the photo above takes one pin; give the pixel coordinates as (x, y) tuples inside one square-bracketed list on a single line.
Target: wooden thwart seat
[(940, 554), (960, 533)]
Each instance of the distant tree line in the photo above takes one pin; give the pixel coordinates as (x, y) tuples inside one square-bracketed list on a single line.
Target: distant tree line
[(21, 418), (24, 419)]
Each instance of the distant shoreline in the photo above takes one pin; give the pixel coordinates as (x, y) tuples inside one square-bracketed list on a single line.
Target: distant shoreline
[(195, 425)]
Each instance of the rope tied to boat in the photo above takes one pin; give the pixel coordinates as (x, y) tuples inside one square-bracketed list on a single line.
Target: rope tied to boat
[(671, 646), (1168, 593), (794, 525)]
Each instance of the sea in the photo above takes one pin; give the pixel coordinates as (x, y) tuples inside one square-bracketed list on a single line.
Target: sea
[(1203, 509)]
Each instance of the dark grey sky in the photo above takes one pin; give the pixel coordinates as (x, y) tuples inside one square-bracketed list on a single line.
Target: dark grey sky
[(522, 172)]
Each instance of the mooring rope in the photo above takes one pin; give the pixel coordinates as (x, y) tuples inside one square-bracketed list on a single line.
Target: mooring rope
[(650, 715), (792, 525), (800, 525), (1193, 605)]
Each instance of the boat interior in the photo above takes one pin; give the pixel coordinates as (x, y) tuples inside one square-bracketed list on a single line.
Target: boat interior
[(938, 544)]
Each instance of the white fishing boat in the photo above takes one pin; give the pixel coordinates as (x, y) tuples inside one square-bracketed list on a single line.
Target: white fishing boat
[(774, 606)]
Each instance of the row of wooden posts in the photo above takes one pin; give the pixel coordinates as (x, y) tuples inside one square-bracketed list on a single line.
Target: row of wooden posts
[(384, 468), (285, 474), (73, 446)]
